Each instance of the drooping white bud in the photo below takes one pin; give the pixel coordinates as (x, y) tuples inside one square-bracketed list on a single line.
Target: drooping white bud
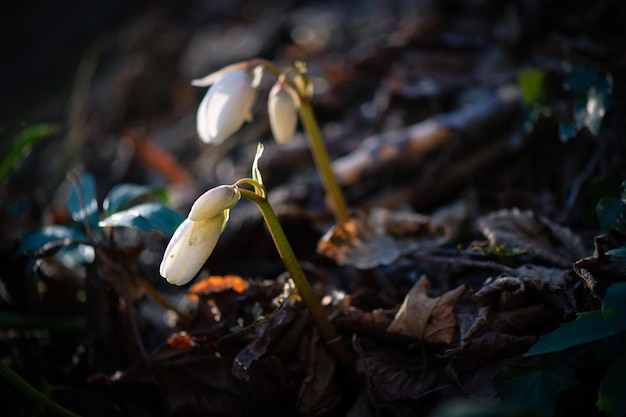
[(282, 109), (190, 247), (214, 202), (226, 106)]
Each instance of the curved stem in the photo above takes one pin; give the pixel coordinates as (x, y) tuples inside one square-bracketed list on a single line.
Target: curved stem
[(32, 392), (338, 203), (327, 330)]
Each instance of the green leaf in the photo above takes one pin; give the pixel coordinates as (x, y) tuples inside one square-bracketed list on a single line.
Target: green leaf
[(82, 202), (256, 173), (531, 82), (23, 144), (588, 327), (611, 213), (147, 216), (532, 388), (123, 196), (611, 398)]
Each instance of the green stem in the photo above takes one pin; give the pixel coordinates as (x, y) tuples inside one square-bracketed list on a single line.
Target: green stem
[(327, 330), (338, 203), (32, 392)]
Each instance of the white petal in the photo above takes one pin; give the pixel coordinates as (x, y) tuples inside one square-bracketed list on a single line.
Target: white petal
[(283, 114), (189, 249), (226, 106), (214, 202)]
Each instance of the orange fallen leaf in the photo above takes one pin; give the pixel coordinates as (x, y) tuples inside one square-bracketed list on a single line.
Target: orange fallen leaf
[(218, 283), (429, 319)]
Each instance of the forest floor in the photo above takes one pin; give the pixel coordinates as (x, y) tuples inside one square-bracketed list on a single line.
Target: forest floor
[(480, 147)]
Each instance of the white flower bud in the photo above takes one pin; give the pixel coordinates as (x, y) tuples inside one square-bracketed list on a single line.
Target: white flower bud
[(226, 106), (282, 109), (190, 247), (214, 202)]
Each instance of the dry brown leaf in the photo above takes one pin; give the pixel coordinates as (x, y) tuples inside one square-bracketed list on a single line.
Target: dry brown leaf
[(538, 235), (601, 270), (532, 285), (426, 318), (318, 392), (377, 238)]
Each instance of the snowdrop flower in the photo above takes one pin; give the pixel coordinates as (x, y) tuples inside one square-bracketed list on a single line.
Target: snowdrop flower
[(228, 102), (196, 237), (282, 107), (214, 202)]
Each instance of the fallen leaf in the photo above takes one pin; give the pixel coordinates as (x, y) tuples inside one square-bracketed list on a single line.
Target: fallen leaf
[(426, 318), (216, 283), (318, 392), (603, 269), (394, 375), (378, 238), (538, 235), (532, 285)]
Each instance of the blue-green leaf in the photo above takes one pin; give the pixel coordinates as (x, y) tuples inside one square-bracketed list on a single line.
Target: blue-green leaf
[(592, 96), (36, 240), (147, 216), (532, 388), (567, 131), (82, 202), (123, 196), (588, 327), (619, 252), (611, 213), (61, 238)]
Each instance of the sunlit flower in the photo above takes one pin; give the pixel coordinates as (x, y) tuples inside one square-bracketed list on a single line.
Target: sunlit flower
[(214, 201), (189, 248), (196, 237), (282, 108), (227, 104)]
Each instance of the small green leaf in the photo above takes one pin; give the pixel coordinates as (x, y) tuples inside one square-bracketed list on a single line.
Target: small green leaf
[(147, 216), (611, 398), (256, 174), (589, 326), (123, 196), (533, 388), (82, 202), (531, 82), (23, 144)]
